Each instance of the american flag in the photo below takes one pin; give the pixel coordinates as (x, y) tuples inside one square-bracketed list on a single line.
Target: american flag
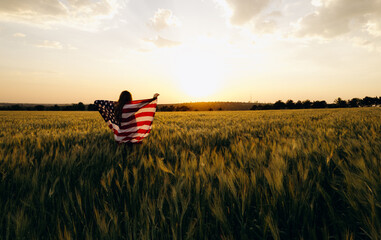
[(136, 121)]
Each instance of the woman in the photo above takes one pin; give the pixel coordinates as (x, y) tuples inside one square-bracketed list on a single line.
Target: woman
[(125, 97), (137, 117)]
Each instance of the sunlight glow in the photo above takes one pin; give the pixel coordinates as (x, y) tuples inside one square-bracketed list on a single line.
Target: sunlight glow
[(198, 73)]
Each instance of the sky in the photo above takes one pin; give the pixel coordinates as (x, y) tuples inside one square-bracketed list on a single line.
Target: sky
[(70, 51)]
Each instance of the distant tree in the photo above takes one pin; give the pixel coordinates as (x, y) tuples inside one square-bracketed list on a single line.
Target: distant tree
[(15, 107), (92, 107), (341, 103), (53, 108), (56, 108), (314, 104), (220, 109), (279, 105), (67, 108), (299, 104), (39, 107), (210, 109), (266, 107), (79, 107), (255, 107), (182, 108), (368, 101), (166, 108), (290, 104), (354, 102), (319, 104), (307, 104)]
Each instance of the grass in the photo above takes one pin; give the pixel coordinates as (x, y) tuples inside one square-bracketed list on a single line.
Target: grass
[(297, 174)]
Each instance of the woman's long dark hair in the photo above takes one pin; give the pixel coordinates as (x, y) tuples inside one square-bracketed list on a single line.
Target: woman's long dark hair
[(124, 98)]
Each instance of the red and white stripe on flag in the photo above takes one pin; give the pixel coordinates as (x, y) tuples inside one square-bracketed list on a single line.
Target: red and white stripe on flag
[(136, 121)]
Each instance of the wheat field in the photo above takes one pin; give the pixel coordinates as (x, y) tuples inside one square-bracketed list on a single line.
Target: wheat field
[(292, 174)]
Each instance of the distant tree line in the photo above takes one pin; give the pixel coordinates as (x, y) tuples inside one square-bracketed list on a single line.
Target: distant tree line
[(73, 107), (338, 103), (78, 107), (171, 108), (289, 104), (182, 108)]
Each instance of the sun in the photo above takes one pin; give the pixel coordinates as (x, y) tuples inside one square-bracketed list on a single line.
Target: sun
[(198, 73)]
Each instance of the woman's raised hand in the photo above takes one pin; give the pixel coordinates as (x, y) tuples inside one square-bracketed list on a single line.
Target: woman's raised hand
[(156, 95)]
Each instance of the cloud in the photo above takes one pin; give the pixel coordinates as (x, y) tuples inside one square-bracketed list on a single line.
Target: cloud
[(242, 11), (265, 26), (162, 19), (337, 17), (267, 23), (54, 45), (370, 45), (71, 47), (19, 35), (373, 27), (50, 44), (18, 7), (162, 42), (85, 14)]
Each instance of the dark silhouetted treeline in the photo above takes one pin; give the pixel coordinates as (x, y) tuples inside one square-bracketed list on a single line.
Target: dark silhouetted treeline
[(205, 106), (30, 107), (210, 106), (172, 108), (338, 103)]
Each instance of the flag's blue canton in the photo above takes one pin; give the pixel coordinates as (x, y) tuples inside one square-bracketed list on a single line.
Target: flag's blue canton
[(106, 109)]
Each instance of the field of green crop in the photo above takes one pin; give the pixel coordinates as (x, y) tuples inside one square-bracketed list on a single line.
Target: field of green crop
[(296, 174)]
